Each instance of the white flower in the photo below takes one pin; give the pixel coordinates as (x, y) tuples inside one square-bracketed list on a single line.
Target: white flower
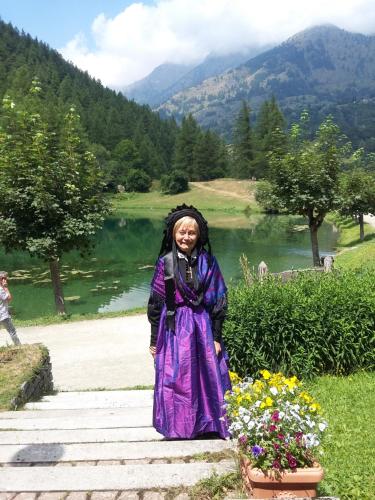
[(322, 426), (274, 391)]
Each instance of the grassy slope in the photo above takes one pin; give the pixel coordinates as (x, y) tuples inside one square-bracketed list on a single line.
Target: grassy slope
[(17, 365), (217, 199), (352, 252)]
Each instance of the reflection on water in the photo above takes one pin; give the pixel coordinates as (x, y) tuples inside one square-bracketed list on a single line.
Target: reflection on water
[(117, 275)]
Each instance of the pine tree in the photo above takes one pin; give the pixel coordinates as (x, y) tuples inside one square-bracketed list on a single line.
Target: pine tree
[(186, 141), (269, 134), (243, 150)]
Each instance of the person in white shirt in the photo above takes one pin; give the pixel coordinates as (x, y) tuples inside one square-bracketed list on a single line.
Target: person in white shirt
[(5, 298)]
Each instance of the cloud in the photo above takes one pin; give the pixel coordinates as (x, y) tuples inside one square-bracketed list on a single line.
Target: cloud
[(130, 45)]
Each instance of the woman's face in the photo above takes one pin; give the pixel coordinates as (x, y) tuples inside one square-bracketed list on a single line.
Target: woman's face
[(186, 238)]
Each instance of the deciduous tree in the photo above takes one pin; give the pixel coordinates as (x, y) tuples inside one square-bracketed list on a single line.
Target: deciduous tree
[(306, 177), (51, 187), (357, 193)]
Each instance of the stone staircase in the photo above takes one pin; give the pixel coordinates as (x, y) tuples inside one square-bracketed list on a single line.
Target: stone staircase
[(98, 445)]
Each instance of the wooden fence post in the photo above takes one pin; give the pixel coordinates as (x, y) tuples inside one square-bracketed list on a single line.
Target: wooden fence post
[(262, 270), (328, 264)]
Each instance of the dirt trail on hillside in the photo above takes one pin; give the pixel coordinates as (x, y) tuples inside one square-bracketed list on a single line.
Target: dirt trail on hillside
[(246, 196)]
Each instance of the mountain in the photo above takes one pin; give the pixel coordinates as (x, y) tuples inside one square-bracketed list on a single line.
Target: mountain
[(168, 79), (149, 89), (324, 69)]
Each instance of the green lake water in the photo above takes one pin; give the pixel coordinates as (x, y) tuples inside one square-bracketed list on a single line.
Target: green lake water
[(117, 274)]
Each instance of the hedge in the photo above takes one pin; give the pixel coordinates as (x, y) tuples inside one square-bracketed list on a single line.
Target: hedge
[(317, 323)]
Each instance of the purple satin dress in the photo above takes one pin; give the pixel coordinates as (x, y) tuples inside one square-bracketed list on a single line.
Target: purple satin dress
[(190, 379)]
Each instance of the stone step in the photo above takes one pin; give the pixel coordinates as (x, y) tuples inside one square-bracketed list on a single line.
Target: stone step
[(95, 412), (89, 419), (93, 399), (62, 452), (110, 477), (80, 436)]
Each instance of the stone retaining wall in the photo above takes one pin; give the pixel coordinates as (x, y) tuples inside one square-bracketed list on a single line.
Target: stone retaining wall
[(41, 383)]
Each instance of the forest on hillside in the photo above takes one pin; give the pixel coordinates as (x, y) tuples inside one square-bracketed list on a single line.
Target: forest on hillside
[(124, 136)]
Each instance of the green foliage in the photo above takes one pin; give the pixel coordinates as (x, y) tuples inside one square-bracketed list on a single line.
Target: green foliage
[(138, 181), (50, 186), (265, 196), (269, 136), (185, 145), (243, 147), (306, 176), (107, 117), (174, 183), (313, 324), (357, 194)]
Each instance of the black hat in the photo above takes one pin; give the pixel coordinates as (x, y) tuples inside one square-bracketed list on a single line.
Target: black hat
[(174, 215)]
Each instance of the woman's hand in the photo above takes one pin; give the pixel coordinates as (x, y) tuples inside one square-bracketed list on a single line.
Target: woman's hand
[(153, 350), (217, 347)]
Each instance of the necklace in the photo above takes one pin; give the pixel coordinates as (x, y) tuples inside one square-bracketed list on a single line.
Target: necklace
[(189, 273)]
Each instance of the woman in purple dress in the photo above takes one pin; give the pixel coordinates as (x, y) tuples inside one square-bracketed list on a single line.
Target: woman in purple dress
[(186, 309)]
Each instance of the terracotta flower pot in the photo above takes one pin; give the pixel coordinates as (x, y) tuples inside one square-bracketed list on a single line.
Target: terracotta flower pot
[(301, 483)]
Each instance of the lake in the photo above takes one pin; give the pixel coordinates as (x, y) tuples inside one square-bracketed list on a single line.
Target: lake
[(117, 274)]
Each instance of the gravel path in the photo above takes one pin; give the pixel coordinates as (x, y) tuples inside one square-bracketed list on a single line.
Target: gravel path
[(109, 353)]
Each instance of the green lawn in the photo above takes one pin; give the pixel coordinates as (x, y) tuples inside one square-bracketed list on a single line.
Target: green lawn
[(213, 196), (349, 458), (353, 253)]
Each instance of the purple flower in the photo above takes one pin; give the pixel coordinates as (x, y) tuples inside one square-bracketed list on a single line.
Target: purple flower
[(298, 436), (281, 436), (257, 450), (291, 461), (276, 446), (276, 465), (272, 428), (242, 440), (275, 416)]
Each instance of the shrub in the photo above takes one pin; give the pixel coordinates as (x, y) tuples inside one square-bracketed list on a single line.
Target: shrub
[(174, 183), (138, 181), (314, 324), (264, 195)]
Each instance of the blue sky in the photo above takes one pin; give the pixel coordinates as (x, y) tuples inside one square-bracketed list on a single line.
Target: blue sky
[(58, 21), (121, 41)]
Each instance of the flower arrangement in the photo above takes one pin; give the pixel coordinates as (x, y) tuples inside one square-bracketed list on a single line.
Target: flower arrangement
[(277, 423)]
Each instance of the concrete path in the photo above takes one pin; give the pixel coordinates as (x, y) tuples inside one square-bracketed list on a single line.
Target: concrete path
[(98, 445), (109, 353), (369, 219)]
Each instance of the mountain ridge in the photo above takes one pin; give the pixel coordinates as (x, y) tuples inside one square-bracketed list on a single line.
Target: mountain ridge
[(168, 79), (321, 69)]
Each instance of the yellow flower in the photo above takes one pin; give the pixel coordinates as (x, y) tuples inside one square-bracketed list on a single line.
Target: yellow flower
[(291, 382), (239, 399), (265, 374), (269, 401), (258, 386), (236, 390), (306, 397), (234, 378), (247, 397), (262, 405), (314, 407)]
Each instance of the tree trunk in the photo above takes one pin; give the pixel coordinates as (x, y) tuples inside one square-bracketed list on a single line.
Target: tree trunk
[(314, 242), (57, 286), (361, 227)]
